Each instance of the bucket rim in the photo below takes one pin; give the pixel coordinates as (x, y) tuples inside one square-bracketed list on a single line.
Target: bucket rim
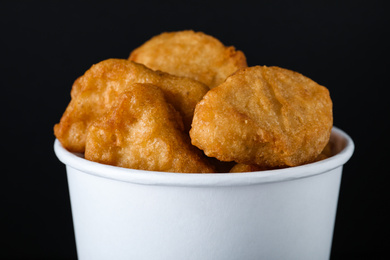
[(342, 140)]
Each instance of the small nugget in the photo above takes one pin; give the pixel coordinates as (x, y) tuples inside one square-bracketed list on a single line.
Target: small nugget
[(190, 54), (142, 131), (265, 116), (94, 93)]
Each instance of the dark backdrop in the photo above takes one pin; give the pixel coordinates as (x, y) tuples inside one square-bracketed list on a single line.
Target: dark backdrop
[(45, 46)]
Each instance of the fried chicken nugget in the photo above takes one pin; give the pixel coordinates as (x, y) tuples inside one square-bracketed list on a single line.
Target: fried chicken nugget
[(142, 131), (190, 54), (267, 116), (94, 92)]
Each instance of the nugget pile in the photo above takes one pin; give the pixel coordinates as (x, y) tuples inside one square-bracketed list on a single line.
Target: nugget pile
[(184, 102)]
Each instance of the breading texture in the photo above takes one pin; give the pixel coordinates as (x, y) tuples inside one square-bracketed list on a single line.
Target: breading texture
[(267, 116), (190, 54), (94, 92), (239, 167), (143, 131)]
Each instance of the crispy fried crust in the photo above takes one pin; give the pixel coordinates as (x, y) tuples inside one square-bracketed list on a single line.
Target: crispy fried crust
[(142, 131), (239, 167), (190, 54), (94, 92), (267, 116)]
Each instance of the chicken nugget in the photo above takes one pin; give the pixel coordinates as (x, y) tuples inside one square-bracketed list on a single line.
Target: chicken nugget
[(142, 131), (94, 92), (190, 54), (267, 116)]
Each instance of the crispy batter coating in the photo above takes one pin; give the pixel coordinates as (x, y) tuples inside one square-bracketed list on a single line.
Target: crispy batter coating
[(190, 54), (239, 167), (143, 131), (94, 92), (268, 116)]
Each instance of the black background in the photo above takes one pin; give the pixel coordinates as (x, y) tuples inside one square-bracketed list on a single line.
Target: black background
[(45, 46)]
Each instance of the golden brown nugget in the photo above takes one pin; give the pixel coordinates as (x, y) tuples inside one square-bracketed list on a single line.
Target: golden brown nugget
[(190, 54), (94, 92), (142, 131), (268, 116)]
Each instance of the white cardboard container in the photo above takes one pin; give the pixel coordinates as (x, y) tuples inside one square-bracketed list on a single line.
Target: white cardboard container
[(122, 213)]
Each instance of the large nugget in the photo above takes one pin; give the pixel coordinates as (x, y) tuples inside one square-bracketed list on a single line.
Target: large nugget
[(267, 116), (190, 54), (95, 91), (142, 131)]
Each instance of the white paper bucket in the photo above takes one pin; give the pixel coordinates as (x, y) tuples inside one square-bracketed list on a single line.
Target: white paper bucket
[(122, 213)]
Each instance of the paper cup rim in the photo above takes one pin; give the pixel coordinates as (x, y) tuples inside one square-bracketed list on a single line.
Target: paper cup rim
[(77, 161)]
